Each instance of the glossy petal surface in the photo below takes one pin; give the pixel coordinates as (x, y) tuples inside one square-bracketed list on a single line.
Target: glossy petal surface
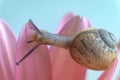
[(37, 65), (7, 52), (63, 66)]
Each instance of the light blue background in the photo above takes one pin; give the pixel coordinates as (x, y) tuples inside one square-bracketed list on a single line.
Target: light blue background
[(47, 14)]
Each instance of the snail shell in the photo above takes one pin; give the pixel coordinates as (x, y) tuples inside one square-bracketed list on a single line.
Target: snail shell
[(94, 48)]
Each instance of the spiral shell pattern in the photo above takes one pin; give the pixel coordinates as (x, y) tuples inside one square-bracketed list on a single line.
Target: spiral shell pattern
[(94, 48)]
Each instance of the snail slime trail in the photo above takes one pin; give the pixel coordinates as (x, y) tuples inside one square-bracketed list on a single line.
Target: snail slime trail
[(93, 48)]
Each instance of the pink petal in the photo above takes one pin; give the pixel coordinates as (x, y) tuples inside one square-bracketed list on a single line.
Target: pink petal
[(63, 66), (108, 74), (118, 78), (83, 24), (65, 19), (37, 65), (7, 52)]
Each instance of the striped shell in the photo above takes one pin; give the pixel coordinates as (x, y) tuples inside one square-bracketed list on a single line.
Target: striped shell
[(94, 48)]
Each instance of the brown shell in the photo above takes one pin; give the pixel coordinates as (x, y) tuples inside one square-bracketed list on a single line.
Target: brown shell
[(94, 49)]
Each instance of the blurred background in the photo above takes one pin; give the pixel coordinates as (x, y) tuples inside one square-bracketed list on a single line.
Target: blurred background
[(47, 14)]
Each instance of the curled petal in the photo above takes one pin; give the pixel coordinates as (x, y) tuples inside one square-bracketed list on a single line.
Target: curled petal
[(7, 52), (63, 66), (37, 65)]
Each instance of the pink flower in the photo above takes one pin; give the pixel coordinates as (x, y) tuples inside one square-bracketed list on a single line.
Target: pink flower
[(7, 52), (53, 63), (44, 63)]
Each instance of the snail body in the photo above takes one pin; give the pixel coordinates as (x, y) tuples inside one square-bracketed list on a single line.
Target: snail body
[(93, 48)]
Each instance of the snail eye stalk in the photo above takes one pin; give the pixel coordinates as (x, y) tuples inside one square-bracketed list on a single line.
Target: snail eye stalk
[(34, 27)]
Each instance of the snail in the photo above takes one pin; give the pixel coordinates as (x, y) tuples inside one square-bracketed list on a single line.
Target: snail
[(93, 48)]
